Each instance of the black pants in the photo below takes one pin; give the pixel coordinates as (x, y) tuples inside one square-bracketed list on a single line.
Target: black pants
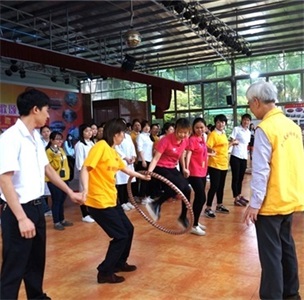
[(58, 198), (217, 185), (179, 181), (144, 185), (238, 168), (198, 184), (122, 193), (23, 259), (278, 257), (117, 226)]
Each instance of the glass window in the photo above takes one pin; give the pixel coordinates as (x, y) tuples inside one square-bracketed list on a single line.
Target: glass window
[(182, 99), (195, 96), (215, 93), (288, 86)]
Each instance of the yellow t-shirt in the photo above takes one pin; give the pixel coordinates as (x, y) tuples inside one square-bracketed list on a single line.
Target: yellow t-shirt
[(219, 143), (103, 162)]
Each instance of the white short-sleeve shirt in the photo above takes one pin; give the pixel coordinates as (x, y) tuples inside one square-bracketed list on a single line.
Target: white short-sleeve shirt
[(23, 154), (243, 136)]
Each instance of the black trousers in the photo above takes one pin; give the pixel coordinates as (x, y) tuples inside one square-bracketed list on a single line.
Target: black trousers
[(198, 184), (23, 259), (217, 185), (238, 168), (144, 185), (179, 181), (117, 226), (279, 279)]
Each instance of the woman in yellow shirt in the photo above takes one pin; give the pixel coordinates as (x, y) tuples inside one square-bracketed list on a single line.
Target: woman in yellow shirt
[(58, 160), (98, 179)]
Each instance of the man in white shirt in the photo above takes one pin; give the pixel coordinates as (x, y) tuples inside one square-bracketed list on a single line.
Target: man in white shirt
[(23, 166)]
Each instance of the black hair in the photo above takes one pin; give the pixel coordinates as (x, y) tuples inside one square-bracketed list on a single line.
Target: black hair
[(144, 123), (197, 120), (52, 137), (182, 123), (135, 121), (70, 143), (31, 98), (221, 118), (246, 116), (111, 128), (45, 126), (166, 126), (82, 128)]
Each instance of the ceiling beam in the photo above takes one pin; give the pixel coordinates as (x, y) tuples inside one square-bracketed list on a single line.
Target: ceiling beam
[(24, 52)]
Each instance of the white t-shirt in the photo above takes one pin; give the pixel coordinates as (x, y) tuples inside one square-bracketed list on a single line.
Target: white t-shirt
[(125, 149), (23, 154), (243, 136)]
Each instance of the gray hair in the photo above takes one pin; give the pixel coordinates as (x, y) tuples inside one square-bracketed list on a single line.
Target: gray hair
[(262, 90)]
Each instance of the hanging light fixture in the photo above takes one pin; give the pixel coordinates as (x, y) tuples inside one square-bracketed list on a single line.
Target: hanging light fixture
[(132, 37)]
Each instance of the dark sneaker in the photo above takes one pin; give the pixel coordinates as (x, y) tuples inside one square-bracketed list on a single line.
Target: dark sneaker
[(184, 222), (244, 200), (125, 268), (109, 278), (239, 202), (222, 209), (66, 223), (209, 213), (153, 209), (59, 226)]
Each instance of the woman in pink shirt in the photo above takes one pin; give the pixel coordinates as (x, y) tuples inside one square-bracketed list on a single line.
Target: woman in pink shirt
[(197, 163), (168, 151)]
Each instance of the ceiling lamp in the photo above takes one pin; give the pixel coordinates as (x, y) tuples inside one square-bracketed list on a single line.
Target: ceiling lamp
[(8, 72), (22, 73), (179, 7), (132, 37)]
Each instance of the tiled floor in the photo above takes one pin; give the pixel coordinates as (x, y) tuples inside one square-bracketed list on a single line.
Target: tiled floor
[(223, 264)]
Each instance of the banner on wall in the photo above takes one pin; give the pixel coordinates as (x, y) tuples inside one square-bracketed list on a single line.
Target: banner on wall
[(8, 115), (66, 113), (295, 112)]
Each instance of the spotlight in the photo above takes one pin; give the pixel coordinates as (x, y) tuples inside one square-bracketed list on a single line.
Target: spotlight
[(8, 72), (54, 78), (195, 19), (14, 68), (188, 14), (22, 73), (202, 25), (62, 69), (211, 28), (128, 63), (66, 80), (217, 32), (179, 7)]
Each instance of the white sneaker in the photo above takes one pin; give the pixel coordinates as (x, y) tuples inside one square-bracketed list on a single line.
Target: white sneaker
[(197, 230), (48, 213), (88, 219), (203, 227), (130, 205), (125, 207), (147, 200)]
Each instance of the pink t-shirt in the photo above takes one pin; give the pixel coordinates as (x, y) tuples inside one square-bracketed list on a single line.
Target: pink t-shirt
[(171, 150), (198, 161)]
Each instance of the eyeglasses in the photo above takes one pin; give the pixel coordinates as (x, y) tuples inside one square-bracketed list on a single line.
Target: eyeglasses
[(58, 139)]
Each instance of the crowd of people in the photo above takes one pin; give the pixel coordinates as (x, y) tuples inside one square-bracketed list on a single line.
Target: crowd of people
[(103, 158)]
